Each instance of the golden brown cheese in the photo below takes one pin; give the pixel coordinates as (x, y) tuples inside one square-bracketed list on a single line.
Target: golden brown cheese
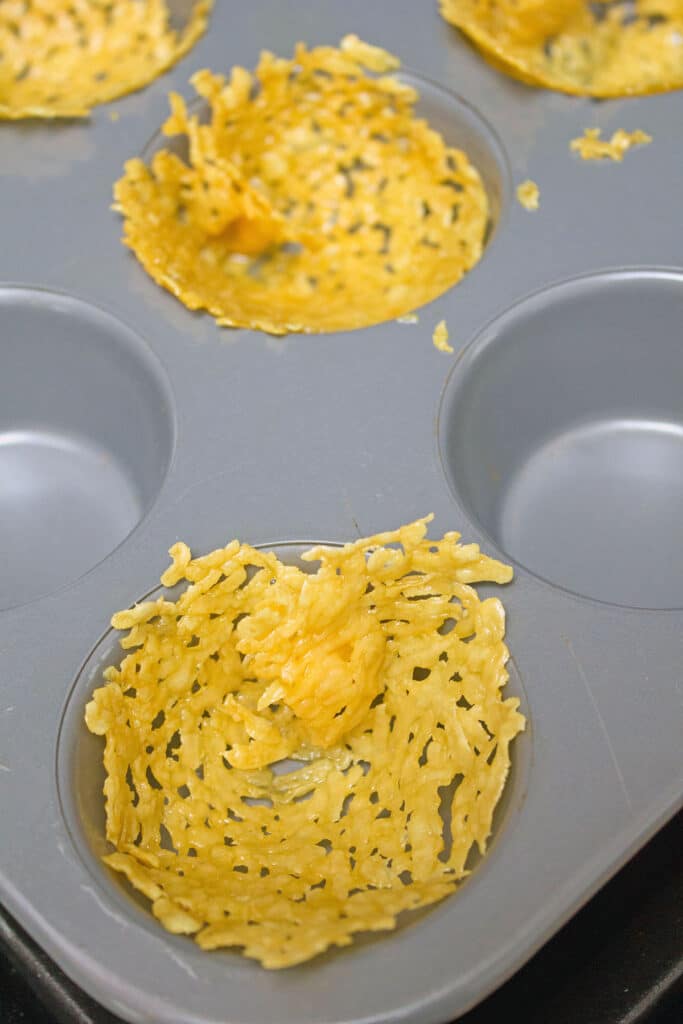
[(60, 58), (313, 199), (440, 337), (528, 195), (590, 146), (604, 48), (379, 677)]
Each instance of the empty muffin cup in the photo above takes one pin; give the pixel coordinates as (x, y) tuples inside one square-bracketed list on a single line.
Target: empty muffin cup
[(561, 434), (86, 436)]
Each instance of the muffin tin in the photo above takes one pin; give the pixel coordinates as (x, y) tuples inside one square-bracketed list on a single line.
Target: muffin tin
[(553, 436)]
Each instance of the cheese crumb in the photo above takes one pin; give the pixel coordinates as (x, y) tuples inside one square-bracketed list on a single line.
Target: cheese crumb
[(440, 337), (528, 194), (590, 146)]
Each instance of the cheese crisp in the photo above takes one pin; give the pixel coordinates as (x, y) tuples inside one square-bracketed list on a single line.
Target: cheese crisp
[(528, 195), (309, 196), (294, 757), (590, 146), (60, 58), (587, 47)]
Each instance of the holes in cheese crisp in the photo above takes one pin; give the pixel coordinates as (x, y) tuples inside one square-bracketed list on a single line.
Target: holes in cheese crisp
[(152, 779), (131, 785), (174, 743), (166, 842), (422, 760)]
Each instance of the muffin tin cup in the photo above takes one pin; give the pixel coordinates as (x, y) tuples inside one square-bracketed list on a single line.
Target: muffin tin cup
[(561, 433), (535, 439), (80, 772), (86, 438)]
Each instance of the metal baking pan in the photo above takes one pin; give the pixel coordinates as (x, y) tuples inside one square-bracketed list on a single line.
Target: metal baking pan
[(618, 961), (553, 436)]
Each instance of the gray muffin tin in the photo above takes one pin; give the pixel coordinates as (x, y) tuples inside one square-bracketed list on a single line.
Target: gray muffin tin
[(553, 436)]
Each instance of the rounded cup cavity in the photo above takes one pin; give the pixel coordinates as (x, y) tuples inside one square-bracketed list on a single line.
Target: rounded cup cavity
[(561, 435), (86, 437), (453, 117), (80, 772)]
